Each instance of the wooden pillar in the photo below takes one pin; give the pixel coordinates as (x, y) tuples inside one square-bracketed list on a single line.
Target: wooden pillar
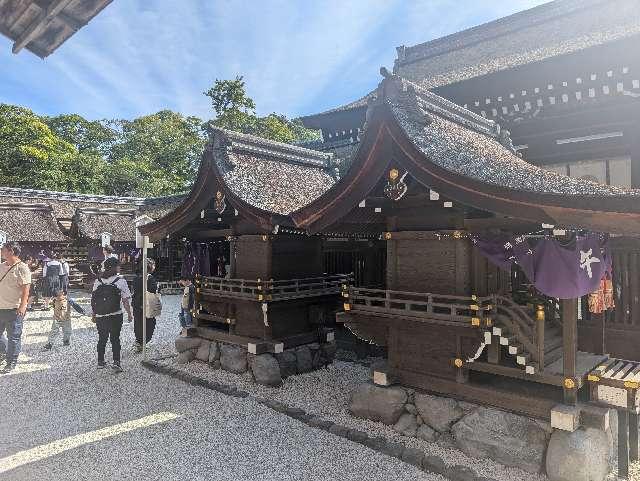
[(570, 347), (598, 336), (633, 135), (623, 443), (633, 437)]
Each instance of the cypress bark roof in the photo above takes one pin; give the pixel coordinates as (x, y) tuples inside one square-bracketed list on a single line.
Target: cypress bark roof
[(555, 28), (119, 223), (30, 223), (466, 158), (271, 176), (263, 180), (86, 215), (549, 30)]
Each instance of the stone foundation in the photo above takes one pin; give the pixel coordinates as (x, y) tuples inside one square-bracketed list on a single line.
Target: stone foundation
[(484, 432), (266, 369)]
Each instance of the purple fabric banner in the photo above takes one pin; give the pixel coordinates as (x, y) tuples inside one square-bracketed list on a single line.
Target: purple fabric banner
[(565, 272)]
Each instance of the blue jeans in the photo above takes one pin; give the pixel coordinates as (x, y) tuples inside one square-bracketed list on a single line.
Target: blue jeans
[(12, 323), (186, 320)]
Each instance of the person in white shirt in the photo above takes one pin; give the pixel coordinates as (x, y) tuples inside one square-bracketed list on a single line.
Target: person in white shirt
[(108, 253), (64, 276), (110, 294)]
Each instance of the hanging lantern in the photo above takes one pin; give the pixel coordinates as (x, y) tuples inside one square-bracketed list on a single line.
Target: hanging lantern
[(219, 204), (540, 315)]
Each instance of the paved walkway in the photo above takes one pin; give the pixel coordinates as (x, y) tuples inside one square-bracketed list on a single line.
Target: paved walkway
[(62, 419)]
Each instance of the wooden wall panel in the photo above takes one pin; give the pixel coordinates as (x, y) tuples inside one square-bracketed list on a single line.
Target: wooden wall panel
[(253, 257), (296, 257), (429, 265)]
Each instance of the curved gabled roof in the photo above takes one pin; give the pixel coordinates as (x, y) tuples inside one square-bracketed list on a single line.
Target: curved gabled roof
[(263, 180), (469, 159)]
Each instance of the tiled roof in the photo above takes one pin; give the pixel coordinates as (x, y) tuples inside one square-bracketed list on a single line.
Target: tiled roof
[(271, 176)]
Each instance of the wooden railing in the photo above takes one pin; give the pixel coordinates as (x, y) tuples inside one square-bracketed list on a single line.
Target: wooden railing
[(270, 290), (469, 310), (417, 304)]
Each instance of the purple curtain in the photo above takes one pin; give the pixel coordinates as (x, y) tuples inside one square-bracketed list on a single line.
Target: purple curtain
[(565, 272)]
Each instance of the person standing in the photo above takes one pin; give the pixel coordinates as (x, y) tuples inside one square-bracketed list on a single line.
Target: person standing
[(187, 305), (108, 253), (61, 319), (64, 276), (15, 281), (110, 290), (154, 305), (51, 273)]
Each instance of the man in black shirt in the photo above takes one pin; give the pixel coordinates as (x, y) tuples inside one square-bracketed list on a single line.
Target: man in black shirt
[(136, 302)]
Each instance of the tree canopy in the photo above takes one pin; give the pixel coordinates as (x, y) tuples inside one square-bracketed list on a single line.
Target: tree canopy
[(236, 111), (152, 155)]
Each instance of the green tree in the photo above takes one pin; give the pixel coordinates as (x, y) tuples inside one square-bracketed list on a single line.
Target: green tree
[(155, 154), (31, 156), (235, 110), (95, 137)]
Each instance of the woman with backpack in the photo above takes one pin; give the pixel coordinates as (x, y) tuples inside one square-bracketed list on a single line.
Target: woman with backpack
[(109, 291)]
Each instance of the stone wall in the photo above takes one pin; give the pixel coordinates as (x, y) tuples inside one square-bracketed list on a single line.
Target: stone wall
[(483, 432), (266, 369)]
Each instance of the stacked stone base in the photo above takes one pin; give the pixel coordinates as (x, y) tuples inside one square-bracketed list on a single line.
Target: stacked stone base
[(482, 432), (266, 369)]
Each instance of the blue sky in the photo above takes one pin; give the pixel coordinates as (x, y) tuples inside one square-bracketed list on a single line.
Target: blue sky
[(297, 57)]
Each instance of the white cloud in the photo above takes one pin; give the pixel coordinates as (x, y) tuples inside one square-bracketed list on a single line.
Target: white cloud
[(297, 57)]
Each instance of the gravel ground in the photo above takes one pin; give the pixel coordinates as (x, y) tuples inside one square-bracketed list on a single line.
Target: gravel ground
[(55, 398)]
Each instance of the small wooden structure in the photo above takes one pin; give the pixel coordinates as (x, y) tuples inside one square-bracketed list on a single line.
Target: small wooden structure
[(275, 293), (429, 173), (42, 26)]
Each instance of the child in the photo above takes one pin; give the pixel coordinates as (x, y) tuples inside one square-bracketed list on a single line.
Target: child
[(188, 302), (61, 318)]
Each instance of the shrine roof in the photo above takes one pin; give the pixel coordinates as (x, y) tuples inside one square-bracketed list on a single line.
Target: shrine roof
[(29, 223), (91, 223), (556, 28), (469, 159), (549, 30), (465, 143), (268, 175)]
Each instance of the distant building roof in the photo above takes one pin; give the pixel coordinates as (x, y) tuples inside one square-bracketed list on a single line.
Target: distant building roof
[(41, 26), (32, 215), (119, 223), (30, 223), (549, 30), (555, 28)]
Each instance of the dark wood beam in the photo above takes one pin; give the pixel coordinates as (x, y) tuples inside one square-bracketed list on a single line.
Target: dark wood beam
[(507, 223), (570, 347), (633, 134), (71, 22), (39, 24)]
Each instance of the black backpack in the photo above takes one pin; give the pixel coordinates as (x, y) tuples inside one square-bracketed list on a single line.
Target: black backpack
[(106, 298)]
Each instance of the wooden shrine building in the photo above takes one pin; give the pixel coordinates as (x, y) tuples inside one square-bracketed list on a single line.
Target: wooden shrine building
[(268, 290), (428, 175), (564, 79)]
